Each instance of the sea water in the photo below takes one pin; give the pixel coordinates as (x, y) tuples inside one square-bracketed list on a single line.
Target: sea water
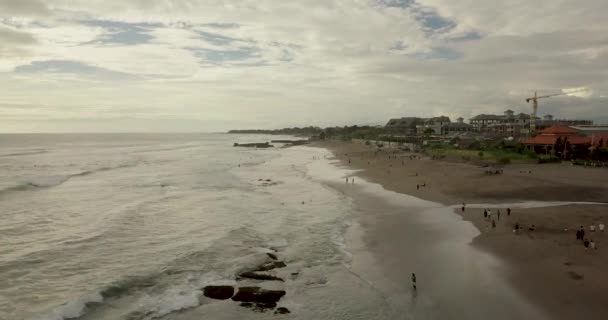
[(133, 226)]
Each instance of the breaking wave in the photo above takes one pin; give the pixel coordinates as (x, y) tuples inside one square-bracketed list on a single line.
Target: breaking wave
[(25, 153), (73, 309), (54, 180)]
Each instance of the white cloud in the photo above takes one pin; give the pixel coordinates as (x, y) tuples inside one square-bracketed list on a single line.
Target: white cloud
[(275, 63), (23, 7)]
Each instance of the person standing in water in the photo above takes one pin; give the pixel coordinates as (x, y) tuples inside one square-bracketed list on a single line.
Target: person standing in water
[(414, 281)]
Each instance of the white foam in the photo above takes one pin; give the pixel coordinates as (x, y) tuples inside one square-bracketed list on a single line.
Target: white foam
[(527, 204), (48, 181), (173, 299), (179, 297), (72, 309)]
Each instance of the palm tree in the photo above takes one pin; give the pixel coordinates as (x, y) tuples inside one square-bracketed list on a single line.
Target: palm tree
[(428, 132)]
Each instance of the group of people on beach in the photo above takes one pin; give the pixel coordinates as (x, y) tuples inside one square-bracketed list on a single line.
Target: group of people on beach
[(588, 243), (487, 214)]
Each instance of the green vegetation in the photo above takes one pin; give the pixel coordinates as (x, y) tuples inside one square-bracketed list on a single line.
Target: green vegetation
[(345, 133), (489, 154), (548, 159), (306, 131)]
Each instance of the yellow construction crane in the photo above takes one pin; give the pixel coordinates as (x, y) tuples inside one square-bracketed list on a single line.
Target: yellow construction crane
[(535, 107)]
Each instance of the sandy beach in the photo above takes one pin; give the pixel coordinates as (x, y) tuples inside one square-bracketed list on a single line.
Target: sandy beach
[(546, 265)]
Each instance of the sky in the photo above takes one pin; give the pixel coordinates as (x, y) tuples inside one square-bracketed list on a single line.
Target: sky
[(214, 65)]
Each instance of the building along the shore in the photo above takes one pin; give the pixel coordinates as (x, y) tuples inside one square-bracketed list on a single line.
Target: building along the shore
[(591, 130), (514, 125), (437, 124), (559, 136), (508, 124), (458, 127)]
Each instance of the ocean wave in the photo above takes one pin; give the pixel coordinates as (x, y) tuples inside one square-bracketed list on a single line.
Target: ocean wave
[(164, 298), (78, 308), (43, 182), (171, 300), (73, 309), (126, 286), (25, 153)]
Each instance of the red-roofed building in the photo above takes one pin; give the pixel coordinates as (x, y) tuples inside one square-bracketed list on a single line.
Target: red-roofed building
[(546, 140), (600, 141), (559, 131)]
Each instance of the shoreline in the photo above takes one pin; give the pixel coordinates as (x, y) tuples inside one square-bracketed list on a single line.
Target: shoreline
[(547, 265)]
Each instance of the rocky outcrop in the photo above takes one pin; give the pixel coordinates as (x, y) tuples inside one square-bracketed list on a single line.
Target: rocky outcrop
[(258, 295), (271, 265), (259, 276), (259, 307), (291, 142), (218, 292), (254, 145), (282, 310), (272, 256)]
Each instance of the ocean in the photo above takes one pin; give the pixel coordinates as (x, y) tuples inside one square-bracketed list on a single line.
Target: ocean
[(134, 226)]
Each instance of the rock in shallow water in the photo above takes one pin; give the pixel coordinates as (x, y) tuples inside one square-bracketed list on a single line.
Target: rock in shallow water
[(282, 310), (259, 307), (218, 292), (257, 294), (272, 256), (259, 276), (271, 265)]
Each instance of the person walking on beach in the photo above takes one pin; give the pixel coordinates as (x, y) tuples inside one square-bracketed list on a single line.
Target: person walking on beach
[(493, 224), (508, 211), (417, 187), (485, 213), (414, 281), (601, 226), (498, 214), (582, 233), (353, 180)]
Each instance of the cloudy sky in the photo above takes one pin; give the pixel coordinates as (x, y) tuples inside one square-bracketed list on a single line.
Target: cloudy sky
[(209, 65)]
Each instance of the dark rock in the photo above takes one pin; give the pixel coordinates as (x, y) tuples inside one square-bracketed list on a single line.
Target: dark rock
[(218, 292), (254, 145), (272, 256), (259, 307), (258, 295), (282, 310), (271, 265), (575, 276), (259, 276)]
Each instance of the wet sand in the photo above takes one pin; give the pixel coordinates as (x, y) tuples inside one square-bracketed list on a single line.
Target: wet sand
[(547, 266), (455, 280)]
